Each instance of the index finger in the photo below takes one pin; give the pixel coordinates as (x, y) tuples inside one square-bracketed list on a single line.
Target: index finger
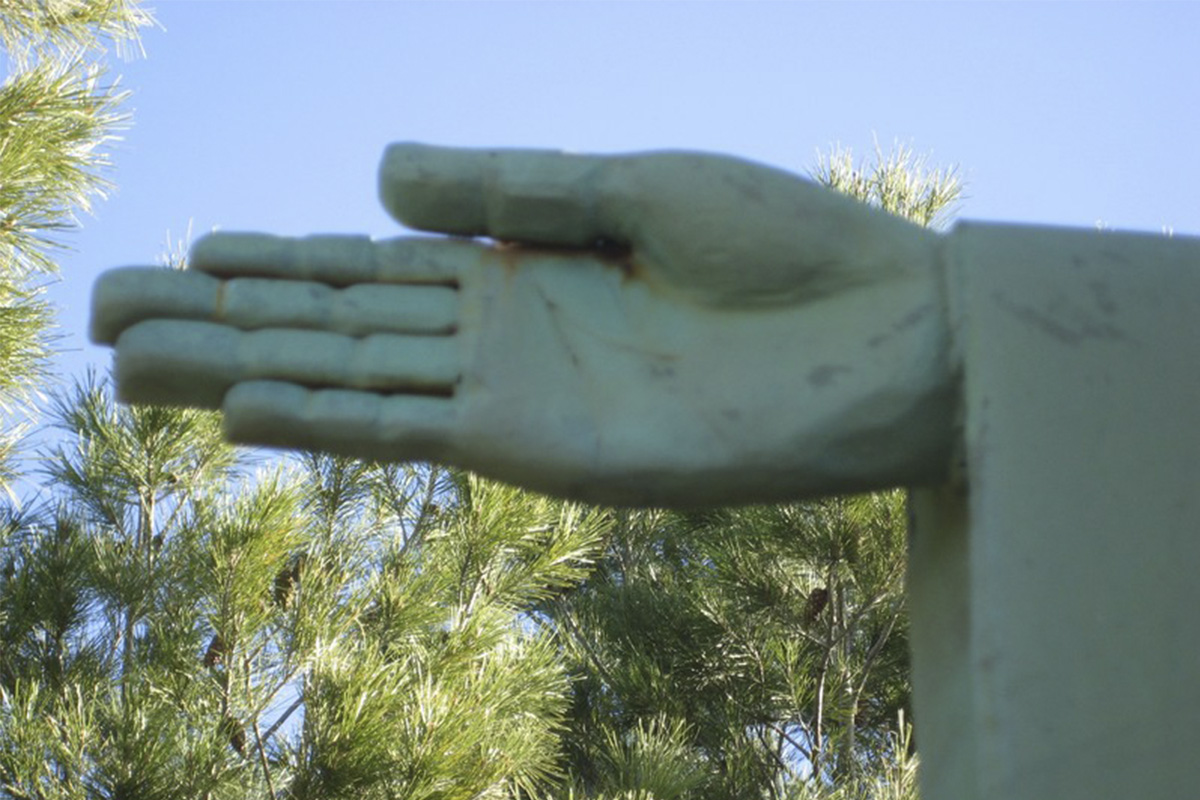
[(540, 197), (334, 259)]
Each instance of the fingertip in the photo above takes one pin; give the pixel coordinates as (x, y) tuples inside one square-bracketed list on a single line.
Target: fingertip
[(538, 197), (125, 296), (208, 249), (108, 306), (220, 253), (264, 412), (432, 188), (176, 362)]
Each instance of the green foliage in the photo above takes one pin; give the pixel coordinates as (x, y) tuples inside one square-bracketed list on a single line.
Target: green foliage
[(177, 625), (900, 182), (653, 761), (770, 640), (38, 29), (57, 116)]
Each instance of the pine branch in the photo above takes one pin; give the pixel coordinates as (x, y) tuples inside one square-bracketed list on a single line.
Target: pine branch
[(287, 712), (564, 615), (262, 757)]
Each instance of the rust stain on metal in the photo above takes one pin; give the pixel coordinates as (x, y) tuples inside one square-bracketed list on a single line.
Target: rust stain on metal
[(609, 253)]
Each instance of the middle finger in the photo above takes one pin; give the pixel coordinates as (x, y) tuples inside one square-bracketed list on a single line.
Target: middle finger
[(124, 297)]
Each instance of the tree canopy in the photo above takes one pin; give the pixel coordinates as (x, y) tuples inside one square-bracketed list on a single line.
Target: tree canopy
[(58, 114)]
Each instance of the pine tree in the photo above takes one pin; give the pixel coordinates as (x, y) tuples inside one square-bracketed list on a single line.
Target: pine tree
[(57, 115), (184, 623)]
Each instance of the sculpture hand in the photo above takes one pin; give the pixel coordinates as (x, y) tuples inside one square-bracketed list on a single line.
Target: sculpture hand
[(663, 329)]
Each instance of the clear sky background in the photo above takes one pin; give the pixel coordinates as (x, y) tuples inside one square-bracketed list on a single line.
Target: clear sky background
[(272, 116)]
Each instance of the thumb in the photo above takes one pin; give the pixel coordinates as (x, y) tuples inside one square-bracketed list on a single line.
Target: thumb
[(533, 196)]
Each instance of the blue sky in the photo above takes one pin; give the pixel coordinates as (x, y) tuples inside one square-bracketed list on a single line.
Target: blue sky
[(272, 115)]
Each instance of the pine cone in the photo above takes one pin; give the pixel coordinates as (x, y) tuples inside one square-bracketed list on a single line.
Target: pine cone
[(817, 600), (237, 736), (215, 654)]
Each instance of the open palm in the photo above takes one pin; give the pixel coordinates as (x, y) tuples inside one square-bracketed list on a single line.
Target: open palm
[(661, 329)]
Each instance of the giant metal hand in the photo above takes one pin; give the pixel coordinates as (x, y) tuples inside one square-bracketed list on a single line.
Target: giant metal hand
[(659, 329)]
